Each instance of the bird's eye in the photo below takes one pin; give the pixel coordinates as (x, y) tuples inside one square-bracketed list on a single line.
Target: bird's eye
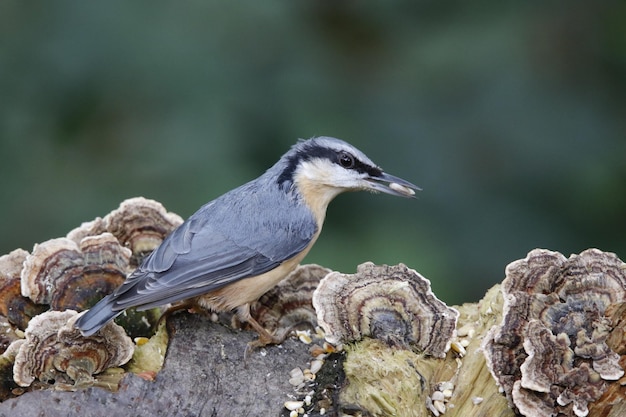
[(346, 160)]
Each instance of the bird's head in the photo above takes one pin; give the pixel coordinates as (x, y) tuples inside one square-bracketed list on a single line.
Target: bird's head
[(324, 167)]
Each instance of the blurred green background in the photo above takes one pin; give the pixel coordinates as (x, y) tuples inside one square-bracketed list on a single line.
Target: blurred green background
[(510, 115)]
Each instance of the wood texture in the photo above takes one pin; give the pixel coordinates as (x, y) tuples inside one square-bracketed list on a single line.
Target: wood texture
[(204, 375)]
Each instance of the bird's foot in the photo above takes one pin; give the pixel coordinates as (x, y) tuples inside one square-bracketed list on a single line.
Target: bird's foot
[(265, 339)]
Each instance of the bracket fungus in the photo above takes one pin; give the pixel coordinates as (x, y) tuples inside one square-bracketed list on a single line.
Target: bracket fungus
[(139, 224), (73, 273), (54, 352), (391, 303), (70, 275), (16, 308), (288, 305), (76, 271), (549, 354)]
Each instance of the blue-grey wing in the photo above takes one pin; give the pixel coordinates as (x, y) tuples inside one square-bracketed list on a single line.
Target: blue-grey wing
[(222, 243)]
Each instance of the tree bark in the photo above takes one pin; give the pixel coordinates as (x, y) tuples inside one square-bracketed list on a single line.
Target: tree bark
[(204, 374)]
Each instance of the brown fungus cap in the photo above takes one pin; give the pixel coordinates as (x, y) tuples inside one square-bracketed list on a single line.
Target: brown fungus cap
[(15, 307), (139, 224), (550, 354), (288, 306), (391, 303), (70, 275), (54, 352)]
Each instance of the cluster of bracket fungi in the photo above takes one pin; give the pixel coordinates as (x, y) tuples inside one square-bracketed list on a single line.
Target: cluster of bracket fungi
[(42, 292), (550, 353)]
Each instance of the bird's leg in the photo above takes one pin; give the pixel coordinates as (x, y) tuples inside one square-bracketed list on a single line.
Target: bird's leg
[(265, 338)]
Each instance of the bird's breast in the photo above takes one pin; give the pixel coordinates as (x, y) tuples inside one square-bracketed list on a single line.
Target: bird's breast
[(316, 196), (247, 290)]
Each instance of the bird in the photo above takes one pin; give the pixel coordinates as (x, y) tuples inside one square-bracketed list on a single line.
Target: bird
[(241, 244)]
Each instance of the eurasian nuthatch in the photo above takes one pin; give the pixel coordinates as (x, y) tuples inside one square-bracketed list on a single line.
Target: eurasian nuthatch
[(238, 246)]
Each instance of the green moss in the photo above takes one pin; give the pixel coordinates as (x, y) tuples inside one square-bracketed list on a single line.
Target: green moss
[(385, 381), (149, 357)]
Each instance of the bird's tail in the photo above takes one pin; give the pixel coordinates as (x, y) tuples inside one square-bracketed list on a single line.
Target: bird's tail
[(97, 316)]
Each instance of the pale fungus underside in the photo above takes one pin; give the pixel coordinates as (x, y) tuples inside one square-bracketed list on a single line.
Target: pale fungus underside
[(550, 353)]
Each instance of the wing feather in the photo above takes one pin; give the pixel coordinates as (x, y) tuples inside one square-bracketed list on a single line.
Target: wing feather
[(221, 243)]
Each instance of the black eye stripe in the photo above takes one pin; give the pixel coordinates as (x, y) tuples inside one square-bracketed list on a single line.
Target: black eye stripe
[(334, 155), (349, 161), (364, 168)]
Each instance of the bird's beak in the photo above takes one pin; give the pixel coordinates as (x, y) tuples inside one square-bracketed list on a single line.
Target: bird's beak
[(389, 184)]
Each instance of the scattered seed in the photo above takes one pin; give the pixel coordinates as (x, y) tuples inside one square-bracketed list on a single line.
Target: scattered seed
[(439, 406), (293, 405), (319, 333), (458, 348), (437, 396), (464, 330), (446, 385), (297, 377), (308, 375), (477, 400), (295, 372), (140, 341), (296, 381), (317, 351), (316, 365), (431, 407), (304, 336)]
